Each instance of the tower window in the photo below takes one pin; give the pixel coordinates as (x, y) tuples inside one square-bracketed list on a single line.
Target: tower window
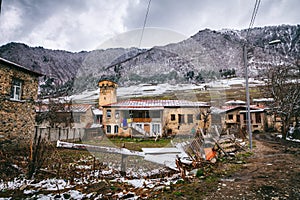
[(108, 113)]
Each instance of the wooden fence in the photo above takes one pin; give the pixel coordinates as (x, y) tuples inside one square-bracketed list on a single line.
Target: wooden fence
[(67, 134)]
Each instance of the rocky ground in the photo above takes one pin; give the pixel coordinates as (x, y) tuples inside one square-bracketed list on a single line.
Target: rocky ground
[(270, 171)]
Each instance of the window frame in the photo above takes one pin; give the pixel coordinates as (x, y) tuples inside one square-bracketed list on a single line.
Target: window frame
[(16, 85), (108, 129), (116, 129), (108, 113), (181, 119), (190, 118), (173, 117)]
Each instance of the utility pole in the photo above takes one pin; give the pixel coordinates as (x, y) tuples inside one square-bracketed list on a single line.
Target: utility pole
[(247, 95), (0, 6)]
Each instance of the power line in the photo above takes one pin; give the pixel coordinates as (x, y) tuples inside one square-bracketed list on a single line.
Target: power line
[(145, 21), (254, 13)]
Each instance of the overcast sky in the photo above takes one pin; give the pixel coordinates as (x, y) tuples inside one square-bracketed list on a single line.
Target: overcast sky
[(76, 25)]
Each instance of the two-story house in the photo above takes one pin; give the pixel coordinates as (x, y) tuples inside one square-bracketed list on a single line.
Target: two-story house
[(150, 117), (18, 92)]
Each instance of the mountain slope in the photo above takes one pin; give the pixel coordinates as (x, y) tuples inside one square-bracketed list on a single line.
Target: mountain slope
[(196, 59)]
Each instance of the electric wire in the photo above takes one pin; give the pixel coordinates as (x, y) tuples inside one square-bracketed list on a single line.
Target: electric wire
[(254, 14), (145, 21)]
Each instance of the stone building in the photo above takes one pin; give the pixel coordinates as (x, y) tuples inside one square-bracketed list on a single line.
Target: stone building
[(64, 115), (150, 117), (18, 92), (237, 117)]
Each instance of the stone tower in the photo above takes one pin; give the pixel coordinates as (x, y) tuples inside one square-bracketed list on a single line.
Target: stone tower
[(108, 92)]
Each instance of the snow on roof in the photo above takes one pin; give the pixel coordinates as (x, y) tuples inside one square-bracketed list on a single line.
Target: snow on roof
[(236, 102), (157, 104), (253, 108), (96, 111), (263, 100), (252, 111), (74, 108)]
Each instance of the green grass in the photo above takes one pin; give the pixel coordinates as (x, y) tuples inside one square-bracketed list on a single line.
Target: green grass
[(135, 144)]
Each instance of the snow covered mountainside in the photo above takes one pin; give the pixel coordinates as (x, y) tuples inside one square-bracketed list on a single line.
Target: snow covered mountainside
[(201, 58)]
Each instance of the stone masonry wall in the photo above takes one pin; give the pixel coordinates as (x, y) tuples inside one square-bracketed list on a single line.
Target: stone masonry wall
[(17, 118)]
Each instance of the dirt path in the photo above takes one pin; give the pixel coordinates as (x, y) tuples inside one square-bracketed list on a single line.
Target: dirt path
[(272, 172)]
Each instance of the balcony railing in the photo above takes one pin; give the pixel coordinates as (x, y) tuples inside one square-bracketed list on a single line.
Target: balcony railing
[(142, 120)]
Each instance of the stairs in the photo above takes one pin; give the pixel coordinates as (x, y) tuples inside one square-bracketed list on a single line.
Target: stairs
[(136, 130)]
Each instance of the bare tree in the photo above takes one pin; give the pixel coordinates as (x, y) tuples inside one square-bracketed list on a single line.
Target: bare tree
[(284, 87), (57, 113)]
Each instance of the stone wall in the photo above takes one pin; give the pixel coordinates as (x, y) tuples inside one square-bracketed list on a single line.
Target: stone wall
[(17, 116)]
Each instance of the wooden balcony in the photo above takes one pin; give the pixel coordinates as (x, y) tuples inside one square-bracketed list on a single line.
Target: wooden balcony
[(142, 120)]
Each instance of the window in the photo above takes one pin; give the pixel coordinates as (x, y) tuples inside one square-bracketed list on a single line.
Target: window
[(155, 114), (180, 118), (16, 89), (76, 118), (257, 118), (198, 117), (117, 114), (173, 117), (116, 129), (190, 118), (108, 129), (238, 119), (98, 119), (108, 113), (156, 129), (230, 117)]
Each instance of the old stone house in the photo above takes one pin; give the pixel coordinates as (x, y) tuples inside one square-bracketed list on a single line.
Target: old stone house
[(150, 117), (237, 117), (18, 92)]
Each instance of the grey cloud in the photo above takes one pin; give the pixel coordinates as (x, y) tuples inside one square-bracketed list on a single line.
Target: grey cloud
[(189, 16), (186, 17)]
